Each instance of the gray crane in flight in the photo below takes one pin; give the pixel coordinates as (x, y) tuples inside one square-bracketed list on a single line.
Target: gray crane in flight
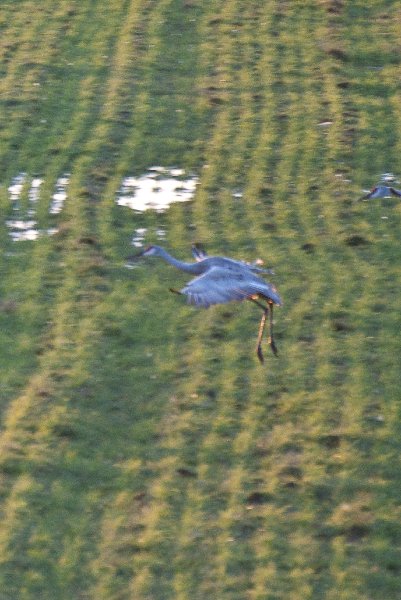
[(381, 191), (219, 280)]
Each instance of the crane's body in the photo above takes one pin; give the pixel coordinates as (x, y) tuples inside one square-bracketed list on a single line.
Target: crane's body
[(219, 280)]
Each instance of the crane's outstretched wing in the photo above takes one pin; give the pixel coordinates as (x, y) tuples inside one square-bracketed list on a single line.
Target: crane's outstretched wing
[(374, 193), (219, 285), (381, 191), (199, 252)]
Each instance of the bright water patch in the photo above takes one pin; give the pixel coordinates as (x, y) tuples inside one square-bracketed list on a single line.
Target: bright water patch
[(156, 189), (22, 230), (388, 178), (33, 195), (60, 194), (15, 189), (23, 226), (140, 235)]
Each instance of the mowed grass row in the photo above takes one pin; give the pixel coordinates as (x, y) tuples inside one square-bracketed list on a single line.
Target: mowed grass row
[(337, 423), (63, 374), (332, 370), (148, 453)]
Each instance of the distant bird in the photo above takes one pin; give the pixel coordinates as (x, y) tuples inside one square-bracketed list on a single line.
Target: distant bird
[(219, 280), (381, 191)]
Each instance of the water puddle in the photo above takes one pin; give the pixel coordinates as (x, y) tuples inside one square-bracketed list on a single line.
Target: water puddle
[(22, 230), (60, 194), (156, 189), (15, 189), (388, 178), (33, 195), (23, 226), (140, 235)]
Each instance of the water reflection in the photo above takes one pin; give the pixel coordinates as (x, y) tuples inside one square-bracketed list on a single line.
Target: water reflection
[(23, 226), (140, 235), (388, 178), (33, 195), (15, 189), (156, 189), (60, 195), (22, 230)]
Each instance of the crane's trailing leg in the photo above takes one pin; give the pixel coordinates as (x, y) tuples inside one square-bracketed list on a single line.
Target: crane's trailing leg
[(271, 338), (260, 336), (272, 344)]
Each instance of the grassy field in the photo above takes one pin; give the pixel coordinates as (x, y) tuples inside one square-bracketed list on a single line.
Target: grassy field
[(145, 453)]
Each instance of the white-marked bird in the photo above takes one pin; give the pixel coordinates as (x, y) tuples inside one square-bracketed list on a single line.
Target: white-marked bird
[(381, 191), (220, 280)]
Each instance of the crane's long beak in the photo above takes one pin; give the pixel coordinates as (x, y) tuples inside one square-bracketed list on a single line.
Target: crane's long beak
[(134, 257)]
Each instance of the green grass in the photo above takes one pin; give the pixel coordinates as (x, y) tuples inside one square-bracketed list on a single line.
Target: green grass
[(145, 453)]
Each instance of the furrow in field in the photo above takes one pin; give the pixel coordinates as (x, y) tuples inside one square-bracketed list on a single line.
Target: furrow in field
[(25, 86), (145, 452), (186, 500)]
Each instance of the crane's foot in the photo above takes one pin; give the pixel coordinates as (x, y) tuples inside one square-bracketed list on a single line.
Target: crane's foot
[(273, 346), (260, 354), (175, 291)]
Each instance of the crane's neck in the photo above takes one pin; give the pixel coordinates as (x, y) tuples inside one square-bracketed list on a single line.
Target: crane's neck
[(195, 268)]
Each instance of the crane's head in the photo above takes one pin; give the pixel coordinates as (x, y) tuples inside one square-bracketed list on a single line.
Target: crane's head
[(150, 251)]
